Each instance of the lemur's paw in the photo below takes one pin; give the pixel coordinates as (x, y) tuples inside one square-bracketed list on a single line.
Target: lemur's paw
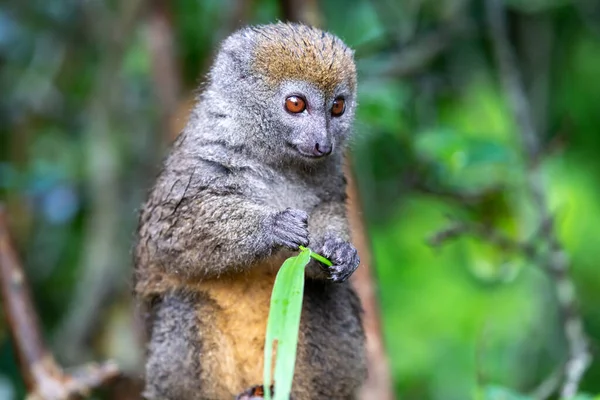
[(289, 228), (342, 255)]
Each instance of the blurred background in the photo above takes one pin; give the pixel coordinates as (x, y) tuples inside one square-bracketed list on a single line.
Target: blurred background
[(476, 159)]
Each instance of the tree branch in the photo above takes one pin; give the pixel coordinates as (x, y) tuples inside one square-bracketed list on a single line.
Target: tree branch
[(44, 379), (379, 381), (101, 268), (511, 76), (418, 181), (555, 262), (460, 228), (165, 69), (305, 11)]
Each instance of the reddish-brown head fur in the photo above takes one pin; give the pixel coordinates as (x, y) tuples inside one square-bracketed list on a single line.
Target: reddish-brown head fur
[(299, 52)]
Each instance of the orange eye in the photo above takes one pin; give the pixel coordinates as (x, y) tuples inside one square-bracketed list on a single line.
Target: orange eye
[(295, 104), (338, 107)]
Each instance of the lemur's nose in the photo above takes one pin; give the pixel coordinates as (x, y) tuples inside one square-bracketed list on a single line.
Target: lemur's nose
[(322, 149)]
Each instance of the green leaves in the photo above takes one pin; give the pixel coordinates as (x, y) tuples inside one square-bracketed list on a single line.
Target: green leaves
[(464, 161), (283, 324)]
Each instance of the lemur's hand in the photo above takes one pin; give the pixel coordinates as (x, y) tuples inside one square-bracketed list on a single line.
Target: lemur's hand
[(289, 228), (342, 255)]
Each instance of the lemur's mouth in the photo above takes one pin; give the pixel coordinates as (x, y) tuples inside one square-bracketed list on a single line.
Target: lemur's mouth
[(314, 154), (308, 155)]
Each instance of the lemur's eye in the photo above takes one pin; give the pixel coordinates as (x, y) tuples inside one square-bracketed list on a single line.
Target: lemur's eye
[(338, 107), (295, 104)]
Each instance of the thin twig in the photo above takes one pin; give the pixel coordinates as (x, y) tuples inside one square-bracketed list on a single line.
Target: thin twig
[(417, 180), (556, 262), (548, 385), (413, 57), (461, 228), (511, 76), (44, 379)]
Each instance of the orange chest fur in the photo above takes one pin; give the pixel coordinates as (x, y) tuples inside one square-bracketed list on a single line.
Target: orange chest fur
[(233, 327)]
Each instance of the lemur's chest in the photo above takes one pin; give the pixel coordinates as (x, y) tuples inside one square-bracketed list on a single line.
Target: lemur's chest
[(234, 326), (287, 192)]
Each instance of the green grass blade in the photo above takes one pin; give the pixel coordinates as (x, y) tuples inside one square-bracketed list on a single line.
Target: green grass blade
[(274, 323), (283, 324), (317, 257), (288, 342)]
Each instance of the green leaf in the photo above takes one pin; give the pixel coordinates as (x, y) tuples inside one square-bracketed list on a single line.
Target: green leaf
[(283, 325), (465, 162), (445, 145)]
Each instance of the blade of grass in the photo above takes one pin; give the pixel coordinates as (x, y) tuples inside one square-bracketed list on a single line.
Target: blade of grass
[(288, 343), (283, 325), (317, 257)]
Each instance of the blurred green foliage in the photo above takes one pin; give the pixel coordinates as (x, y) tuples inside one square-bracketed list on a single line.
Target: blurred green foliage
[(81, 138)]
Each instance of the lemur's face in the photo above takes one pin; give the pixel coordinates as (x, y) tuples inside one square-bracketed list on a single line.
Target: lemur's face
[(313, 124), (311, 80), (294, 85)]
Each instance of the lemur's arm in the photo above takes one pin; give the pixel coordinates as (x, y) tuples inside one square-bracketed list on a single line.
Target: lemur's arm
[(199, 227)]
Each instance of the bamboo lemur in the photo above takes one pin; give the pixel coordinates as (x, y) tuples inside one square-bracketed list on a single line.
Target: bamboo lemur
[(256, 173)]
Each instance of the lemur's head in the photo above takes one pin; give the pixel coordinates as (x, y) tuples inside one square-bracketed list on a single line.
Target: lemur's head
[(295, 85)]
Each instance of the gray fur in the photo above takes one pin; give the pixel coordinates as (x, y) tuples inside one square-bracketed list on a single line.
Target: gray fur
[(171, 366), (234, 192)]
